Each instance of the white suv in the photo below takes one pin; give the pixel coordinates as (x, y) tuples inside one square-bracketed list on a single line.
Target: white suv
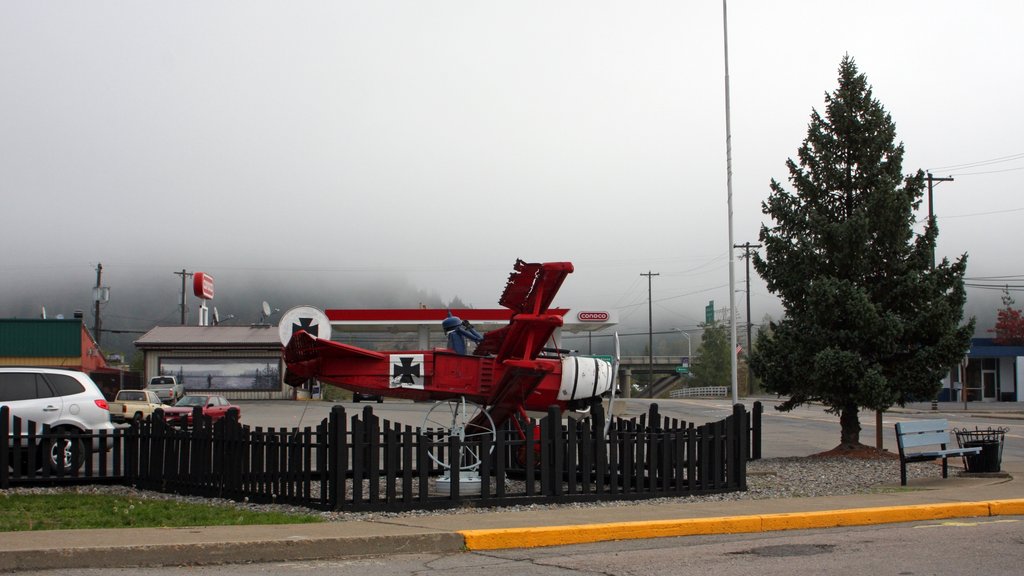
[(66, 400)]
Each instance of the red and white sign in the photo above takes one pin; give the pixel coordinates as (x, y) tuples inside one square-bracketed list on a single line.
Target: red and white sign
[(592, 316), (202, 284)]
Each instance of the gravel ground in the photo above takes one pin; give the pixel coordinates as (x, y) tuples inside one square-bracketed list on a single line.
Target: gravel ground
[(768, 478)]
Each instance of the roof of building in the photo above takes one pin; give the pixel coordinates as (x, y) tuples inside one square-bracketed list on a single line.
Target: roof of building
[(986, 347), (40, 338), (261, 336)]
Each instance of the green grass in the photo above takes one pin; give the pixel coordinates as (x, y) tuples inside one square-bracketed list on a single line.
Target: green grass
[(19, 512)]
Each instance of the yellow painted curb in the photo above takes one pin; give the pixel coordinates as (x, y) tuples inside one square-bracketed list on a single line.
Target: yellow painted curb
[(867, 516), (1007, 507), (494, 539)]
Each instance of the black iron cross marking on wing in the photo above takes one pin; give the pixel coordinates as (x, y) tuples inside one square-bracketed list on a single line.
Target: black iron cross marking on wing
[(406, 372), (307, 325)]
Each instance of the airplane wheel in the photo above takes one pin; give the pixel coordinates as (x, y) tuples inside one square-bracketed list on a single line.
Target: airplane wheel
[(455, 419)]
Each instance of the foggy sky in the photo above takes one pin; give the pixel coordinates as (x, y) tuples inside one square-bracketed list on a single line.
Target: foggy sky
[(420, 147)]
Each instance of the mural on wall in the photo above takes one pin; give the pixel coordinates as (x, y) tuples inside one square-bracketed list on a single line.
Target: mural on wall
[(224, 373)]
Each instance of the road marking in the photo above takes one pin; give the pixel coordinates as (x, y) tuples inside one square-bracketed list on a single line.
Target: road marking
[(956, 524)]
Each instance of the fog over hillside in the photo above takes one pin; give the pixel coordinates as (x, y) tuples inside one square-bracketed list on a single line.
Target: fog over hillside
[(141, 298)]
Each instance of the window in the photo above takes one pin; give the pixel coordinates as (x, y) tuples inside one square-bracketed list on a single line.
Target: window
[(16, 386), (65, 385)]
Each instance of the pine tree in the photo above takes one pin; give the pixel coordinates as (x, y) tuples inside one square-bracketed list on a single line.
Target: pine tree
[(869, 321)]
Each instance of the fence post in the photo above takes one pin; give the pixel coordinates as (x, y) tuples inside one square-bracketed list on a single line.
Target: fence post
[(5, 431), (755, 439), (337, 449), (555, 445), (739, 447), (373, 443)]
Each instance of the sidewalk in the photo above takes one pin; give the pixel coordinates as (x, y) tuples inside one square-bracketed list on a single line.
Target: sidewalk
[(929, 499), (1001, 410)]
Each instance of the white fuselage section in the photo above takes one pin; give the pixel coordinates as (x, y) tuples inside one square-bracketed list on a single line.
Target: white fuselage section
[(584, 377)]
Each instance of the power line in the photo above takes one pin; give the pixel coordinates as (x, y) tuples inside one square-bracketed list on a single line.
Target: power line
[(1013, 287), (987, 172), (1010, 277), (977, 163), (1008, 210)]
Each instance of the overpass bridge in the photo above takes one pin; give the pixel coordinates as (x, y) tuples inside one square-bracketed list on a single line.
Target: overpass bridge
[(664, 369)]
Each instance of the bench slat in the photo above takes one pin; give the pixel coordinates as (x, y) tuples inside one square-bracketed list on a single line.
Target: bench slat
[(916, 426), (924, 439)]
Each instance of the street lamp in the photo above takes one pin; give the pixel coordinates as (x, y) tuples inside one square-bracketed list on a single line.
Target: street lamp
[(689, 350)]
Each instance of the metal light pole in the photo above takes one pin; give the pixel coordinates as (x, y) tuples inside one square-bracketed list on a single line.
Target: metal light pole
[(689, 349), (728, 169)]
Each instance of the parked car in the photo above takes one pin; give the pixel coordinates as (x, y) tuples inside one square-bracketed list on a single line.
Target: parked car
[(135, 405), (216, 407), (67, 400), (360, 396), (167, 388)]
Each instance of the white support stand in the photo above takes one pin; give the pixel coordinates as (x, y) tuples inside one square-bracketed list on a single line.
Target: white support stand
[(469, 483), (204, 313)]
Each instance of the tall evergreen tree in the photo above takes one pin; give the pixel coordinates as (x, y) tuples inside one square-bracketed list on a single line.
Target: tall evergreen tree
[(869, 321)]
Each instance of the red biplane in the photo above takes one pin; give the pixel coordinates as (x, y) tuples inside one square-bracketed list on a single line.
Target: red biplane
[(511, 371)]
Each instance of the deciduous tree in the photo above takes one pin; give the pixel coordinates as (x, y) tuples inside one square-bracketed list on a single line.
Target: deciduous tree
[(1009, 328), (712, 365)]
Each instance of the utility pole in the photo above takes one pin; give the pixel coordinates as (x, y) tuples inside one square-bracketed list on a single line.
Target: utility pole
[(184, 278), (931, 215), (750, 343), (931, 210), (98, 325), (650, 335)]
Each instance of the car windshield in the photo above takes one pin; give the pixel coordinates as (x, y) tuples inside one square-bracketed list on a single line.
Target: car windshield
[(192, 401)]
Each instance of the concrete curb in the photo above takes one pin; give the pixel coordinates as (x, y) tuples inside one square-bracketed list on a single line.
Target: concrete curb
[(588, 533), (239, 552)]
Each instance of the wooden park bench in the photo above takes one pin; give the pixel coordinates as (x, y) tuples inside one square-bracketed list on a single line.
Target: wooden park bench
[(912, 436)]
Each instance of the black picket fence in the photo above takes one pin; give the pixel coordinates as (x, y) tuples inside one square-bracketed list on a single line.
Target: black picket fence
[(363, 463)]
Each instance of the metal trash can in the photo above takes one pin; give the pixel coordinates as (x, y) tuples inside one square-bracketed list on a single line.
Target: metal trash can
[(990, 459)]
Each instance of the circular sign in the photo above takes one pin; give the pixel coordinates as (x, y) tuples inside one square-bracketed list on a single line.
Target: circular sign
[(311, 320)]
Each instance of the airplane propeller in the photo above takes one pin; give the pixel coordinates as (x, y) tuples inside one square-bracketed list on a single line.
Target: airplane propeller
[(614, 385)]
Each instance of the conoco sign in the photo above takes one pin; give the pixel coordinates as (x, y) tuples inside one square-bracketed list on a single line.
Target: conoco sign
[(202, 284), (592, 316)]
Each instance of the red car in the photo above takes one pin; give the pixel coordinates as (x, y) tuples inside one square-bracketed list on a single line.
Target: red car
[(216, 407)]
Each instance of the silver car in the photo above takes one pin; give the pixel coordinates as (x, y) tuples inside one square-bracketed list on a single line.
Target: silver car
[(67, 400)]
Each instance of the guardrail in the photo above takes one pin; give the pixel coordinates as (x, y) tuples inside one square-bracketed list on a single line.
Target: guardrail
[(700, 392)]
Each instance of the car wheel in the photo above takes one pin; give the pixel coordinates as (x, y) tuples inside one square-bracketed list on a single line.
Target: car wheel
[(66, 452), (356, 399), (380, 400)]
